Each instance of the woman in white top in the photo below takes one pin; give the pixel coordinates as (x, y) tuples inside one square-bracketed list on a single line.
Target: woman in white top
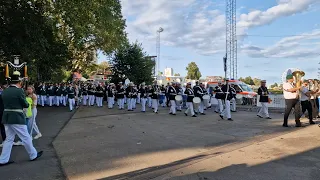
[(32, 122)]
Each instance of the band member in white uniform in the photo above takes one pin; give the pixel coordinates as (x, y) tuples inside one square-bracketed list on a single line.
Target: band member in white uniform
[(305, 100), (190, 95), (91, 92), (233, 100), (134, 97), (155, 97), (99, 95), (172, 94), (143, 96), (85, 96), (219, 96), (227, 97), (264, 99)]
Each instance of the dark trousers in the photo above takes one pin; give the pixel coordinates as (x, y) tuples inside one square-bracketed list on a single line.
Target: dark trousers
[(292, 103), (3, 132), (314, 107), (306, 105)]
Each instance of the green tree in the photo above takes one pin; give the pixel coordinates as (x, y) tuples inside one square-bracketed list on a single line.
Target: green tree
[(193, 71), (248, 80), (131, 62), (176, 74), (274, 85), (257, 81)]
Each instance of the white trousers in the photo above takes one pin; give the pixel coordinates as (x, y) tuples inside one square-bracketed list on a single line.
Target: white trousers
[(264, 109), (233, 104), (219, 107), (43, 100), (133, 103), (57, 102), (121, 103), (226, 112), (72, 103), (110, 102), (129, 103), (155, 105), (11, 131), (143, 104), (139, 98), (91, 100), (51, 100), (85, 100), (149, 102), (190, 108), (201, 107), (38, 99), (32, 122), (173, 106), (99, 101)]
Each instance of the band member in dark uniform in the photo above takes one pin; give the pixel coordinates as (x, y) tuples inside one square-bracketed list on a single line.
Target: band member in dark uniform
[(233, 100), (227, 97), (91, 92), (99, 95), (129, 95), (198, 91), (172, 94), (120, 95), (85, 97), (219, 96), (264, 99), (110, 94), (155, 91), (190, 95), (149, 89), (143, 96)]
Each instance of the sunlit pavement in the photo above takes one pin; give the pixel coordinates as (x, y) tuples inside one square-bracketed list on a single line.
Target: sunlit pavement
[(99, 143)]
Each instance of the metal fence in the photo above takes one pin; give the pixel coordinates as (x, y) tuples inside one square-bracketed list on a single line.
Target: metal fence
[(252, 104)]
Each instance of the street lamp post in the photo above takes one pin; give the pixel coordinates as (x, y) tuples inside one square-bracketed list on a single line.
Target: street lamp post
[(158, 50)]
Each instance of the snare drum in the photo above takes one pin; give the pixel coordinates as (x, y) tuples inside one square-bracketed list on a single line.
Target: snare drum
[(178, 99), (196, 102)]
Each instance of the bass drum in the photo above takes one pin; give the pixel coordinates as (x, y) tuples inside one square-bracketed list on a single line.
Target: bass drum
[(178, 99), (196, 102)]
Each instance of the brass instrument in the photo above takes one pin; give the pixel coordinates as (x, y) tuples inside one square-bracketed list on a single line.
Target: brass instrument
[(298, 79)]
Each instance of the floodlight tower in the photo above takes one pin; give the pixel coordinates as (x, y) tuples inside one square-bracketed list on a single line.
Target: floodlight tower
[(231, 40), (158, 50)]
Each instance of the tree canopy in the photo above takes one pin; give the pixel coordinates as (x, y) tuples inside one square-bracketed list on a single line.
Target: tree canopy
[(59, 36), (248, 80), (130, 61), (193, 71)]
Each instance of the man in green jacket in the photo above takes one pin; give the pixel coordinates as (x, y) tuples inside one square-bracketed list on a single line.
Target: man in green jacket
[(14, 120)]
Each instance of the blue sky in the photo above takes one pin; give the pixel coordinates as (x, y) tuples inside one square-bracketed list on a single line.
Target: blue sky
[(194, 30)]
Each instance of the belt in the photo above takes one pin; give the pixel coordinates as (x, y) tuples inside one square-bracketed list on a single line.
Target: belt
[(14, 110)]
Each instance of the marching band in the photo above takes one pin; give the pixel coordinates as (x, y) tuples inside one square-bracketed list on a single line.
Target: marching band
[(195, 100)]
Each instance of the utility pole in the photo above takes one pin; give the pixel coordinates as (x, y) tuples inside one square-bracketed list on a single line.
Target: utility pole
[(158, 50), (231, 40)]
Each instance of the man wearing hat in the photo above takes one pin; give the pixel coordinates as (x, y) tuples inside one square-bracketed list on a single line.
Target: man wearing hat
[(120, 95), (305, 100), (291, 96), (172, 94), (227, 97), (264, 99), (129, 94), (190, 95), (14, 101), (219, 96), (143, 96)]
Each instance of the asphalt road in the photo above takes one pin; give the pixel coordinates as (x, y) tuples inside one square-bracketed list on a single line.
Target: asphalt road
[(50, 121)]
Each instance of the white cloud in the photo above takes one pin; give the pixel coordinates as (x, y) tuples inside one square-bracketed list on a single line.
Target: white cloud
[(283, 9), (305, 45), (195, 24)]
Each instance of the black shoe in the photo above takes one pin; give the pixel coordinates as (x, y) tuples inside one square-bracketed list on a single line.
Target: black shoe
[(194, 116), (216, 111), (299, 125), (170, 113), (186, 114), (203, 114), (38, 156), (268, 118), (285, 125), (174, 114), (5, 164), (312, 122), (259, 116), (229, 119), (221, 116)]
